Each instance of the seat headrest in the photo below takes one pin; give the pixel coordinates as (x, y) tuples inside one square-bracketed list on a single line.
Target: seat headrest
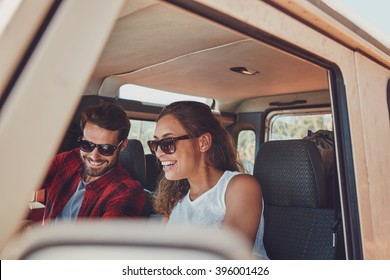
[(153, 170), (291, 173), (132, 159)]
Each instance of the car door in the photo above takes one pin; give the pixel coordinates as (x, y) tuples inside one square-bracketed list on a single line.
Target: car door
[(48, 50)]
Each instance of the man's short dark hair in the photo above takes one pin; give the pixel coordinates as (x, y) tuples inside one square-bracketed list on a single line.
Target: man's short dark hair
[(108, 116)]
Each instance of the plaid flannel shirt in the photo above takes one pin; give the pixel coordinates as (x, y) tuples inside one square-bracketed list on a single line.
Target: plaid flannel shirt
[(113, 195)]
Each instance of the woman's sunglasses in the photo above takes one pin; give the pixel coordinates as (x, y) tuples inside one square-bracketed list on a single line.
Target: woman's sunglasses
[(104, 149), (167, 145)]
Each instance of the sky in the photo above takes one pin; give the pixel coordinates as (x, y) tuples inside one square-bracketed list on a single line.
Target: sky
[(377, 12)]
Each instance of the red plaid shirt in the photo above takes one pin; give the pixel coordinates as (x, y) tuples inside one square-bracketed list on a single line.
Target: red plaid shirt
[(115, 194)]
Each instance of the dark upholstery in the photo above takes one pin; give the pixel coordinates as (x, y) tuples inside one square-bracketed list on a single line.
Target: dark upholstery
[(153, 170), (133, 160), (297, 215), (70, 140)]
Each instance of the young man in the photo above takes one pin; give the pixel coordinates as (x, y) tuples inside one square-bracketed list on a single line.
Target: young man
[(88, 182)]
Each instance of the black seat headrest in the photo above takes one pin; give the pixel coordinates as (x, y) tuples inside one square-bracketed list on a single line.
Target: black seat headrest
[(153, 170), (291, 173), (132, 159)]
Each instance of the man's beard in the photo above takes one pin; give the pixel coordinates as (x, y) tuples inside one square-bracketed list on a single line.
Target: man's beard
[(97, 172)]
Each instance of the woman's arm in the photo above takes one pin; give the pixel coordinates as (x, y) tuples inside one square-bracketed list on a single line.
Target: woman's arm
[(243, 205)]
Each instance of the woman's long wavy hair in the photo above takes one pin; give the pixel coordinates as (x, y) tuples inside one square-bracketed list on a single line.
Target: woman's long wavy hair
[(196, 119)]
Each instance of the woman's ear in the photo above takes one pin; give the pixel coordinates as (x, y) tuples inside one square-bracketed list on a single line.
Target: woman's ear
[(205, 141)]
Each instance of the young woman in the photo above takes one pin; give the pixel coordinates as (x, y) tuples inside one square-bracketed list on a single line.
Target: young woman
[(202, 183)]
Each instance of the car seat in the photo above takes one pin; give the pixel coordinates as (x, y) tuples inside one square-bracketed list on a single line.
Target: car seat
[(298, 215), (132, 159), (153, 171)]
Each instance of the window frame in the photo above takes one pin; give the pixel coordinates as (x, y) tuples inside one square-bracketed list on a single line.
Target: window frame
[(301, 111)]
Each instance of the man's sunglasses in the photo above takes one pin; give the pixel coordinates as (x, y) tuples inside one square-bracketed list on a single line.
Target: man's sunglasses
[(104, 149), (167, 145)]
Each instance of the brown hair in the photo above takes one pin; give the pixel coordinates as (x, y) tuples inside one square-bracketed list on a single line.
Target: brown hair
[(108, 116), (196, 119)]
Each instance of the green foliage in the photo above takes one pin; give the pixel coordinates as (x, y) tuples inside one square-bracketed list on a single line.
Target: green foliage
[(143, 131), (283, 127)]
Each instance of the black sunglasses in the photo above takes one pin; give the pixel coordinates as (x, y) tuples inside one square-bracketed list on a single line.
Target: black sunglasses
[(167, 145), (104, 149)]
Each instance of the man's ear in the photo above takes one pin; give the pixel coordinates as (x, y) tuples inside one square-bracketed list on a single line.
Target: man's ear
[(124, 144), (205, 141)]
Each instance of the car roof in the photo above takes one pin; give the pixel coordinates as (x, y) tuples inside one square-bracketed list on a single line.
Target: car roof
[(157, 45), (161, 46)]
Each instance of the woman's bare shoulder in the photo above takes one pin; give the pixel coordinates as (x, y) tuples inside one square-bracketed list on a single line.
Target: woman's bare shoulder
[(243, 185)]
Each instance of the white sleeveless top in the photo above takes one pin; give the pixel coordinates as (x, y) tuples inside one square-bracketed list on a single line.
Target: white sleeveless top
[(209, 210)]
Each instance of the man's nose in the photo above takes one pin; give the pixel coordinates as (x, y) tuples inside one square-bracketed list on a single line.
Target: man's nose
[(95, 153)]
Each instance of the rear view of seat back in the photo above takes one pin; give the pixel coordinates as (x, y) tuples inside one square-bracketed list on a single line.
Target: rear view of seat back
[(297, 202), (153, 171), (132, 159)]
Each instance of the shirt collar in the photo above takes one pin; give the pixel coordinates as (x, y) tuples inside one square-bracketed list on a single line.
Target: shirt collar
[(103, 181)]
